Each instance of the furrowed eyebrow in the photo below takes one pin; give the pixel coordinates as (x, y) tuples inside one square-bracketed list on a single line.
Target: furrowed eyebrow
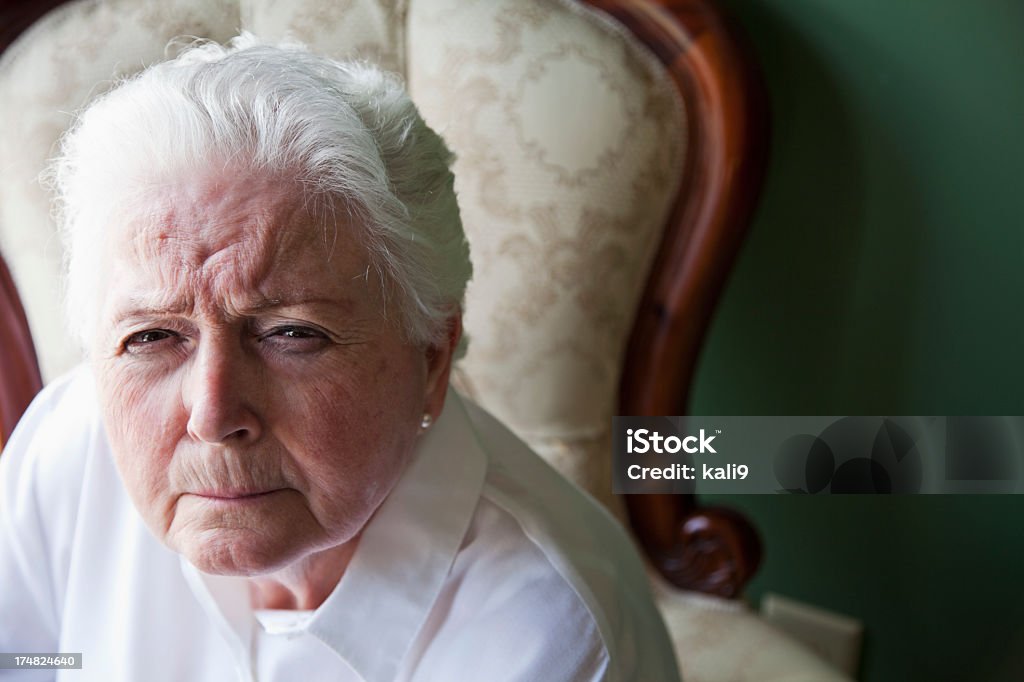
[(148, 306), (279, 303), (151, 306)]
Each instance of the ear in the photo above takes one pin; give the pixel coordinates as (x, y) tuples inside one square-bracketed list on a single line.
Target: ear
[(439, 366)]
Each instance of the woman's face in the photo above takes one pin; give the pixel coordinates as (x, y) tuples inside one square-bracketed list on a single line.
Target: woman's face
[(258, 403)]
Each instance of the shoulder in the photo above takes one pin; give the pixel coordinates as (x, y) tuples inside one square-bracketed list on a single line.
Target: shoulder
[(49, 448), (57, 449), (42, 473), (573, 546)]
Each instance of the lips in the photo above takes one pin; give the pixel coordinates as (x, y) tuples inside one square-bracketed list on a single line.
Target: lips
[(233, 494)]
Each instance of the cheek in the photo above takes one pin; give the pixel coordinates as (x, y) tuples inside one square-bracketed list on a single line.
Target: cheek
[(143, 418), (351, 440)]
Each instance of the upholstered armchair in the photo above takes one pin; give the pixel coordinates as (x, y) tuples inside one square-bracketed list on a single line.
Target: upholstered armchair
[(609, 157)]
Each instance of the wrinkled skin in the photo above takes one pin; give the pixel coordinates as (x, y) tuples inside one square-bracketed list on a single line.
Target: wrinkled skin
[(259, 403)]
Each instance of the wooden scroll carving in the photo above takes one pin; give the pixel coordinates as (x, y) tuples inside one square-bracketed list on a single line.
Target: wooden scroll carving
[(708, 549)]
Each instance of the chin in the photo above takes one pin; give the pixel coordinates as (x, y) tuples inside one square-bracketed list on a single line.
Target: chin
[(237, 552)]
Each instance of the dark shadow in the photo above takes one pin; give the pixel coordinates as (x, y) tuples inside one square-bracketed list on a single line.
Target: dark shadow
[(802, 326), (818, 319)]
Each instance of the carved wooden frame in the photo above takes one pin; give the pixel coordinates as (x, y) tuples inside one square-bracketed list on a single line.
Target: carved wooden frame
[(708, 549)]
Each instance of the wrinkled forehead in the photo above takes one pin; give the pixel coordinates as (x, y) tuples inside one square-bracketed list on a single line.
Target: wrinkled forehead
[(236, 229), (199, 214)]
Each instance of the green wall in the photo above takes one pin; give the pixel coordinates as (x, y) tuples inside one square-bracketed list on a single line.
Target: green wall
[(883, 275)]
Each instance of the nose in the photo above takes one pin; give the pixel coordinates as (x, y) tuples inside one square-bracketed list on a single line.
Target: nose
[(221, 395)]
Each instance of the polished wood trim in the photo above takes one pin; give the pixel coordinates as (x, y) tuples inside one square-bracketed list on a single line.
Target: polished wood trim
[(19, 371), (711, 550)]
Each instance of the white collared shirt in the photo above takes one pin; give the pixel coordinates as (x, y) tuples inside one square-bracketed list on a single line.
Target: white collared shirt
[(482, 564)]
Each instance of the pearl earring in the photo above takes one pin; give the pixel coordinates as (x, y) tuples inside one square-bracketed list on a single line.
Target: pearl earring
[(427, 421)]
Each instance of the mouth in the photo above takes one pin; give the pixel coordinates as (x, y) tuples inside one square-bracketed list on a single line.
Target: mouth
[(234, 495)]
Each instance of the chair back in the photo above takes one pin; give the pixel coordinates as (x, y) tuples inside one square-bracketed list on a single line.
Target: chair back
[(608, 156)]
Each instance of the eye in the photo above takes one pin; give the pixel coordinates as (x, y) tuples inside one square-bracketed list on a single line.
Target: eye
[(294, 338), (291, 332), (148, 340)]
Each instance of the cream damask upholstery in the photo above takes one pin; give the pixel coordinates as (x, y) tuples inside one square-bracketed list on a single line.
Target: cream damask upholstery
[(562, 215), (568, 147)]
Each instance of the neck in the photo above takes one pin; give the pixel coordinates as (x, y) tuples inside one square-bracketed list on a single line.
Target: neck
[(305, 584)]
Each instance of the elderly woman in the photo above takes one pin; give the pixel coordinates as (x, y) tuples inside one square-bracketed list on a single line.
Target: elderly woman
[(261, 473)]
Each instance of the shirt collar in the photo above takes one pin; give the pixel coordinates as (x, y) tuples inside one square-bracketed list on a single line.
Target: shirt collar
[(401, 562)]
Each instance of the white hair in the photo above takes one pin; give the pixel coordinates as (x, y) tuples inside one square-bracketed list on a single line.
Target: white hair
[(347, 131)]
